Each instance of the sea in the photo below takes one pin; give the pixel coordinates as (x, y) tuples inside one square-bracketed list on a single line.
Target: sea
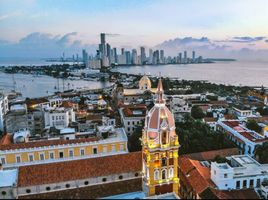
[(238, 73)]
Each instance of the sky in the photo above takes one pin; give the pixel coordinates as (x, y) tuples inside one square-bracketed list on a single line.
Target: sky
[(47, 27)]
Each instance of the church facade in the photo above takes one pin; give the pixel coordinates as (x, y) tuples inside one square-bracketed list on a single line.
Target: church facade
[(160, 149)]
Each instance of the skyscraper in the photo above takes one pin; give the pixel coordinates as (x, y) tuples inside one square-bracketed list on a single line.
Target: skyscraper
[(150, 56), (84, 56), (103, 38), (156, 57), (185, 57), (162, 57), (180, 58), (134, 59), (143, 56), (115, 55), (128, 58), (122, 51), (193, 56), (108, 49), (103, 51)]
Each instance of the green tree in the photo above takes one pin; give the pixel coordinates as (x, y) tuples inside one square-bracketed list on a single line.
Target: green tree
[(197, 112), (134, 142), (253, 125), (261, 153)]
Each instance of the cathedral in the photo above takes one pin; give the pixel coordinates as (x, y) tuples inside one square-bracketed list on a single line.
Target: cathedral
[(160, 149)]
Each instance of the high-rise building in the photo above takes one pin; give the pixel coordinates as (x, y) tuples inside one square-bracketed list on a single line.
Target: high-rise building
[(193, 56), (84, 56), (160, 149), (185, 57), (162, 57), (143, 56), (128, 57), (156, 58), (122, 51), (134, 59), (115, 55), (150, 56), (103, 38), (108, 49), (180, 58)]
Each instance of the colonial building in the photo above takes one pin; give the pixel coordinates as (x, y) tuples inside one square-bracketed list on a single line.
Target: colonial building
[(160, 149), (3, 110), (245, 139), (59, 149), (132, 116)]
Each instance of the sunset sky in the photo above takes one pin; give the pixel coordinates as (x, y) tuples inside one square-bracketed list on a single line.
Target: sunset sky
[(233, 23)]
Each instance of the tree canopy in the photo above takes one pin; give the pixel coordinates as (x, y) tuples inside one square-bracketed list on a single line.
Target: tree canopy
[(261, 153), (197, 112), (253, 125)]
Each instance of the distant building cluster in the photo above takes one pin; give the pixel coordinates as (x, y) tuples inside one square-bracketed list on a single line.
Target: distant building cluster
[(107, 56)]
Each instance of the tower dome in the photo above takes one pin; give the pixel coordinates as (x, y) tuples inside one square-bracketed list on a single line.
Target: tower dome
[(145, 83), (159, 126)]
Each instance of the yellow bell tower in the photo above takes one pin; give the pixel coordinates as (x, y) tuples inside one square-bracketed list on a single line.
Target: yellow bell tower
[(160, 149)]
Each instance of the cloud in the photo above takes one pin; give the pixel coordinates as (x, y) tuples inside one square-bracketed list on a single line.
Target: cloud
[(246, 39), (9, 15), (112, 34), (45, 45)]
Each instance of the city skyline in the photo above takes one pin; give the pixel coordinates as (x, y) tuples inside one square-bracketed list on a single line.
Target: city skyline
[(72, 26)]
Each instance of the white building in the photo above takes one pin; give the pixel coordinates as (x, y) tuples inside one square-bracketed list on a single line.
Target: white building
[(8, 183), (242, 112), (242, 172), (179, 107), (245, 139), (3, 110), (59, 117), (131, 116)]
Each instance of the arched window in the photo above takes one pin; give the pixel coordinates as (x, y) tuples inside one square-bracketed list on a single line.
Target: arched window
[(164, 137), (171, 173), (164, 174), (156, 174)]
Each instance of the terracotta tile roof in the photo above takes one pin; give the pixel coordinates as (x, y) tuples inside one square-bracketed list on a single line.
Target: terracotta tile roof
[(79, 169), (129, 110), (210, 119), (10, 146), (210, 155), (197, 176)]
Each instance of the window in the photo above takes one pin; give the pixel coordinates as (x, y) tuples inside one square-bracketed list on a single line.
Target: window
[(42, 156), (244, 183), (18, 158), (164, 174), (4, 193), (156, 175), (128, 123), (120, 177), (121, 147), (133, 123), (28, 191), (61, 154), (47, 188), (171, 173), (53, 118), (164, 137), (67, 185), (51, 155), (82, 152), (95, 150), (113, 148), (214, 172), (164, 162), (251, 183), (128, 129), (104, 180), (258, 182), (71, 153), (31, 157), (86, 183), (225, 175), (136, 174), (237, 184), (3, 160), (104, 149)]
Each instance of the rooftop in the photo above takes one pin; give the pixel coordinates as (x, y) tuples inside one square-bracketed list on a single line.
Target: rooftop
[(79, 169), (134, 110), (243, 131), (8, 178)]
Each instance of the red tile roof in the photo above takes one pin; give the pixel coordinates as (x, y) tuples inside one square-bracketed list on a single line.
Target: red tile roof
[(129, 110), (4, 145), (79, 169), (197, 176), (210, 155)]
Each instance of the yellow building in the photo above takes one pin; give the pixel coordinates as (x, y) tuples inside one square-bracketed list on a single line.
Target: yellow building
[(47, 151), (160, 149)]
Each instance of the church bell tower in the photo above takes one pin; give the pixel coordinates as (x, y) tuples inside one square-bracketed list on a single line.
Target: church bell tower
[(160, 149)]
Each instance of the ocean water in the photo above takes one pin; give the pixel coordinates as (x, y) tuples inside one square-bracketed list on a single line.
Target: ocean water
[(245, 73), (31, 86)]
